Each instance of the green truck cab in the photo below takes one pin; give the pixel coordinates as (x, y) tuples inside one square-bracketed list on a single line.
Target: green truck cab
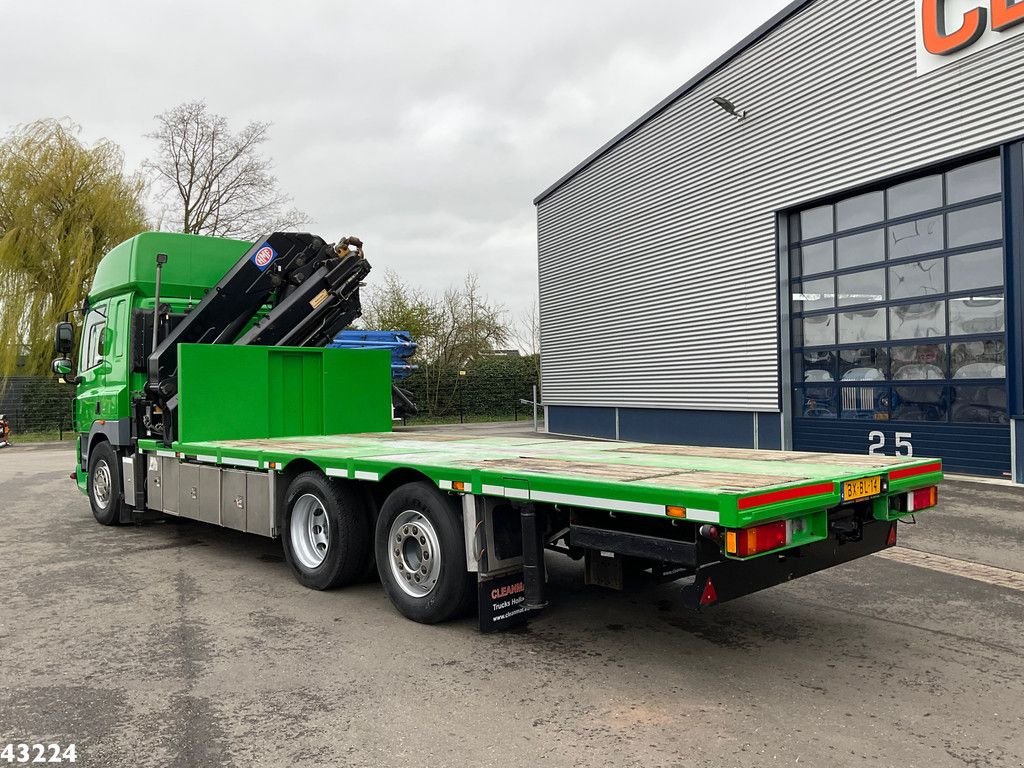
[(120, 300), (203, 391)]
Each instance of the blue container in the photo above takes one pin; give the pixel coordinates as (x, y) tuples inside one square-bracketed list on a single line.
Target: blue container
[(399, 342)]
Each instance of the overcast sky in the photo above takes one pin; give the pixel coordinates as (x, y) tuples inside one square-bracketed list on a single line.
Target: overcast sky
[(425, 128)]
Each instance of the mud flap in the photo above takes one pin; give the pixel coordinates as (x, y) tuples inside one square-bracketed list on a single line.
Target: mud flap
[(501, 601), (728, 579)]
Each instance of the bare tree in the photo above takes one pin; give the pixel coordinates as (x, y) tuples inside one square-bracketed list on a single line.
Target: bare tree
[(525, 330), (466, 325), (390, 304), (451, 330), (525, 333), (213, 181)]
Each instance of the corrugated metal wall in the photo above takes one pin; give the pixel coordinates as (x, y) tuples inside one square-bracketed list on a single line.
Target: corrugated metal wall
[(658, 261)]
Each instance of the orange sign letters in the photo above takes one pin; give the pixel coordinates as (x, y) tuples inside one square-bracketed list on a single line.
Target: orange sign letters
[(941, 40)]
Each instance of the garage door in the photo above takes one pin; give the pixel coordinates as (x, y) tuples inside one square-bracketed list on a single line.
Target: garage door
[(898, 334)]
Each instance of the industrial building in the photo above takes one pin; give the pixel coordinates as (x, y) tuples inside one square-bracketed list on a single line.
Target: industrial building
[(817, 243)]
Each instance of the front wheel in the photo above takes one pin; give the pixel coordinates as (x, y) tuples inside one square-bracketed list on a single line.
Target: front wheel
[(104, 484), (326, 534), (421, 554)]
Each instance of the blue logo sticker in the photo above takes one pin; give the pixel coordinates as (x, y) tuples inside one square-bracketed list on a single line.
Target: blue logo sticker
[(264, 256)]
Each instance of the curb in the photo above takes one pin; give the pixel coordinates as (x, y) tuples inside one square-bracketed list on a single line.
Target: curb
[(16, 446)]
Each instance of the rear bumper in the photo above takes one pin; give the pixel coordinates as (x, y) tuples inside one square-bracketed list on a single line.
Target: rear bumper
[(730, 579)]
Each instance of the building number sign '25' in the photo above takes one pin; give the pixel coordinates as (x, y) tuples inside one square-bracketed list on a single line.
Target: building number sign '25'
[(901, 447), (951, 29)]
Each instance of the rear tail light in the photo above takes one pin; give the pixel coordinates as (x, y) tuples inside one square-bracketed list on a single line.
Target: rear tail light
[(915, 501), (759, 538), (923, 498)]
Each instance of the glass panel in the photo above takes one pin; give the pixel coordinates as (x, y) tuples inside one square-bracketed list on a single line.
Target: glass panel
[(980, 404), (976, 314), (865, 364), (915, 196), (918, 362), (979, 269), (794, 228), (914, 237), (815, 402), (862, 287), (927, 403), (860, 211), (816, 222), (973, 181), (814, 294), (817, 331), (814, 366), (865, 325), (93, 335), (979, 359), (917, 321), (816, 258), (864, 248), (794, 263), (919, 278), (975, 225), (865, 402)]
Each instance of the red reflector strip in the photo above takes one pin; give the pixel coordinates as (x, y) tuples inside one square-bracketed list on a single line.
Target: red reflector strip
[(786, 494), (924, 469)]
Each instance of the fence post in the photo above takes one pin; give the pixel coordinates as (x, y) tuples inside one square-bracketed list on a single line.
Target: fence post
[(535, 408), (462, 378)]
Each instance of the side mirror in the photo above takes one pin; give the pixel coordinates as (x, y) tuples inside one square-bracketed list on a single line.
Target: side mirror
[(64, 338), (62, 367)]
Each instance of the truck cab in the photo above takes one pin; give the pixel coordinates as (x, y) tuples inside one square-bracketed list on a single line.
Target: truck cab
[(116, 330)]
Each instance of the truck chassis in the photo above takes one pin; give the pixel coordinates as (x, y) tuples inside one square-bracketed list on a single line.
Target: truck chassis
[(472, 517)]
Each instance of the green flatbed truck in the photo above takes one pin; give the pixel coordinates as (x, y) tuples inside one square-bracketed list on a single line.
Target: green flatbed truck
[(204, 392)]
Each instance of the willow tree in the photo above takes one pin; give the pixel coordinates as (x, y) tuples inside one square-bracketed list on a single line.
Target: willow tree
[(62, 206)]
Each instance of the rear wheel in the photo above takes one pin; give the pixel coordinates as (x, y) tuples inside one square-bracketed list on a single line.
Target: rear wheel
[(104, 484), (326, 535), (421, 554)]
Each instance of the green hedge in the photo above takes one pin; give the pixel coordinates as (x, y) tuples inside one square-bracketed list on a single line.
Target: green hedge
[(491, 387)]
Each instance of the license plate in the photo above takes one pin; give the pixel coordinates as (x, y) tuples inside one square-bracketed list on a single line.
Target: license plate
[(862, 488)]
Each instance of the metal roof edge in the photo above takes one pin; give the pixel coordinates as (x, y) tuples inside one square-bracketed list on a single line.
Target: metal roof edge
[(754, 37)]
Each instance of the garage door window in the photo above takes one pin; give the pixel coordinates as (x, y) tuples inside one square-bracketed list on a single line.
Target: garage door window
[(897, 302)]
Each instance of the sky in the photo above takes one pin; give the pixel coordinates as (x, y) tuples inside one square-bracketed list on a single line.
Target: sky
[(424, 128)]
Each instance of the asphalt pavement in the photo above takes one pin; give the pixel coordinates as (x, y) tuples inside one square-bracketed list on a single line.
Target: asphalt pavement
[(186, 645)]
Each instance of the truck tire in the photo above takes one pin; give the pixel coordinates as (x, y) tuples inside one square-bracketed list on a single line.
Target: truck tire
[(326, 535), (421, 554), (104, 484)]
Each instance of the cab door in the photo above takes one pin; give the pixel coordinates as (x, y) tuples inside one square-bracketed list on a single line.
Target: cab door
[(92, 373)]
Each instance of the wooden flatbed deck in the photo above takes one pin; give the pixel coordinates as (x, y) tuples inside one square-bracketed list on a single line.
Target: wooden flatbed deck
[(636, 478)]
